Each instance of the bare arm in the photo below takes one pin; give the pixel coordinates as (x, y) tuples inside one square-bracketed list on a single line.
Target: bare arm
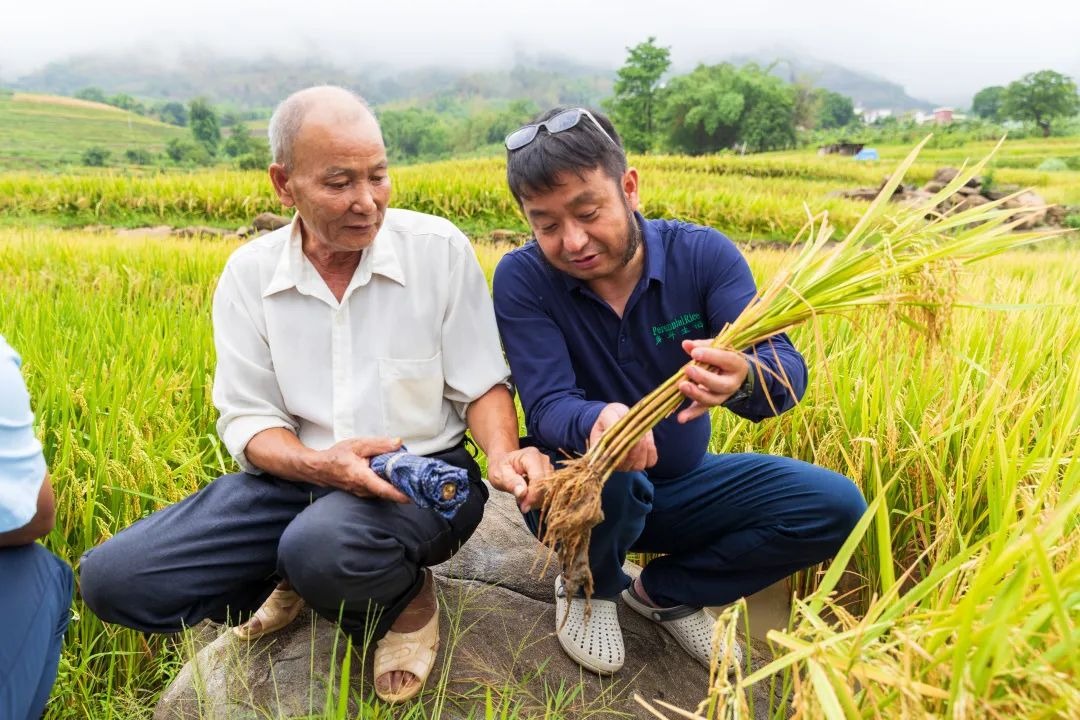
[(492, 420), (343, 466), (40, 525)]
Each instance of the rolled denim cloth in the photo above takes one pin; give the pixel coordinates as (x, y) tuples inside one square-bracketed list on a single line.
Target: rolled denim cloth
[(430, 483)]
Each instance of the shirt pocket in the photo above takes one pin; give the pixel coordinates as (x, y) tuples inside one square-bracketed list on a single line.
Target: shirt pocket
[(412, 396)]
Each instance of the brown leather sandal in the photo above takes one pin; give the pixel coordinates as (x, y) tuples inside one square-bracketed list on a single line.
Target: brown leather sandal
[(277, 611), (412, 652)]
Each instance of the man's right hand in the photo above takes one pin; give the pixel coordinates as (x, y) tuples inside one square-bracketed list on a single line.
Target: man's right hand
[(642, 455), (345, 466)]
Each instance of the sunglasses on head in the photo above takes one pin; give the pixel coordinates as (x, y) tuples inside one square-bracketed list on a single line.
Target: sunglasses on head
[(555, 124)]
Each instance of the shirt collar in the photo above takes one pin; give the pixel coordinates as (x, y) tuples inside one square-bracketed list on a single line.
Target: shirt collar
[(655, 258), (294, 270)]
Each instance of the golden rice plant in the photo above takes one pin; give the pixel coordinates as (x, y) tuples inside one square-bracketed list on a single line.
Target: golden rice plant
[(889, 258)]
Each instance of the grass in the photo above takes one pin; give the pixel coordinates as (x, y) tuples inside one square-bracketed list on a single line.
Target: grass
[(43, 132), (965, 579), (339, 683)]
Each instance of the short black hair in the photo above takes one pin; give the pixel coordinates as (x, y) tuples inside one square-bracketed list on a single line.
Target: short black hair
[(534, 168)]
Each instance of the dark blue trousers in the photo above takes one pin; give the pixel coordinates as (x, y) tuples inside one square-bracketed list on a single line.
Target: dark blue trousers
[(35, 605), (732, 526), (219, 553)]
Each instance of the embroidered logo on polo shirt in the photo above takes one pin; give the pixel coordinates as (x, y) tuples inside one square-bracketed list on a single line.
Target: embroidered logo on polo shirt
[(678, 327)]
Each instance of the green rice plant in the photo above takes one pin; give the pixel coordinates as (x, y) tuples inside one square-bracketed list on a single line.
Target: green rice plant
[(963, 439), (966, 447)]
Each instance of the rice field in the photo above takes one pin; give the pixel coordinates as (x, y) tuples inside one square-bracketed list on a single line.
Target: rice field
[(959, 596), (759, 197)]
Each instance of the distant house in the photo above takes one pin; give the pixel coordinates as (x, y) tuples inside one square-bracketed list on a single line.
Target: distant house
[(943, 115), (940, 116)]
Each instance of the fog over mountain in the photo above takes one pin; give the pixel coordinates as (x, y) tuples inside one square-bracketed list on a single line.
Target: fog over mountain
[(937, 52)]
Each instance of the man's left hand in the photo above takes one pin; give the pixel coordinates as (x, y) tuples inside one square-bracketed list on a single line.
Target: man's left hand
[(517, 473), (709, 386)]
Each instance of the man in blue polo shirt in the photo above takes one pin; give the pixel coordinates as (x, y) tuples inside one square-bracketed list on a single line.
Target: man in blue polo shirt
[(35, 591), (597, 311)]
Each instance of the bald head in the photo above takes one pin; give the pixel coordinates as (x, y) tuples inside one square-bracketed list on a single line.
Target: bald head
[(324, 103)]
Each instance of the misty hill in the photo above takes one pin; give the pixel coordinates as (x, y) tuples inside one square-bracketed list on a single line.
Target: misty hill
[(261, 83), (247, 84), (868, 91)]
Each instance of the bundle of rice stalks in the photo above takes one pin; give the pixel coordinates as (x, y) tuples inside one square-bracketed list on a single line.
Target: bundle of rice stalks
[(891, 258)]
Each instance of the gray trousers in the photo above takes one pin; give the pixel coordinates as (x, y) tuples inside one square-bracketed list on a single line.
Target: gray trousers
[(219, 553)]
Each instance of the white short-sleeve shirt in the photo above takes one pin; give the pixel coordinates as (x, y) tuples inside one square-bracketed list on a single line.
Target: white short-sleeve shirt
[(22, 465), (412, 342)]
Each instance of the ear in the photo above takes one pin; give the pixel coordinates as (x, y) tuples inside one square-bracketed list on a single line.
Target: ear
[(630, 188), (279, 176)]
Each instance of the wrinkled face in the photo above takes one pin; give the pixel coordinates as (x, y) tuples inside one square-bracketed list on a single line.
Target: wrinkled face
[(585, 226), (338, 182)]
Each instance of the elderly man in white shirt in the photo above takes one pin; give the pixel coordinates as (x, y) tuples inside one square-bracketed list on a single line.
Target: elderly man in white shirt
[(344, 335)]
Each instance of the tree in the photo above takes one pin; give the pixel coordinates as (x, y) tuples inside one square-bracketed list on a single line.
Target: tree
[(138, 156), (513, 116), (834, 110), (93, 94), (174, 113), (413, 133), (126, 102), (240, 142), (251, 153), (987, 103), (1041, 97), (204, 124), (634, 106), (768, 122), (807, 99), (95, 156), (721, 106), (185, 152)]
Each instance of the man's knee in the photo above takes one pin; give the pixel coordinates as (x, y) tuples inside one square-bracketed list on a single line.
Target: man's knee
[(851, 505), (627, 494), (100, 583), (326, 570), (108, 585), (842, 506)]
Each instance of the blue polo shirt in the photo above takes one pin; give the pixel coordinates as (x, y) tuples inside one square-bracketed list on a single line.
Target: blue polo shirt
[(570, 354)]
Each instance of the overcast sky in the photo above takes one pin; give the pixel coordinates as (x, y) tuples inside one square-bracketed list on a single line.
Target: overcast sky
[(940, 50)]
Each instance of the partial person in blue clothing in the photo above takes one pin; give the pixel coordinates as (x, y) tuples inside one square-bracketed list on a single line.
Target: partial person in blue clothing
[(597, 310), (35, 592)]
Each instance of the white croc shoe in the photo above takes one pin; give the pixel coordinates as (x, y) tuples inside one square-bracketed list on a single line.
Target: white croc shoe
[(596, 644), (691, 627)]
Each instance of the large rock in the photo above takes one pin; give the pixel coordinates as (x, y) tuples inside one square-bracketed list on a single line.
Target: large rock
[(1032, 206), (268, 221), (946, 175), (195, 231), (968, 202), (1000, 191), (157, 231), (497, 629)]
